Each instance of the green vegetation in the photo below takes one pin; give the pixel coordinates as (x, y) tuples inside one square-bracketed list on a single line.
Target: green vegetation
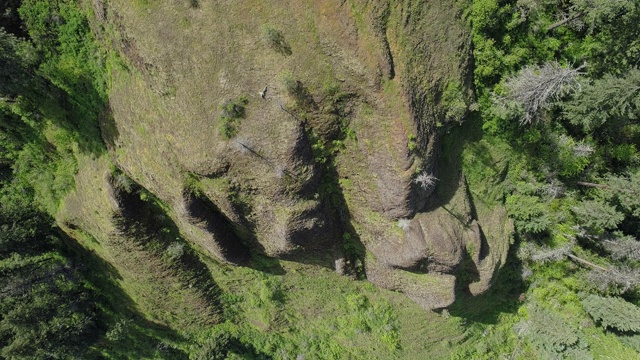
[(48, 308), (275, 40), (613, 313), (557, 98), (232, 112), (555, 124), (327, 317)]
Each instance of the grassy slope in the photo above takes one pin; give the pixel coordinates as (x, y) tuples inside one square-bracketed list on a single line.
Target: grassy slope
[(284, 308), (313, 311)]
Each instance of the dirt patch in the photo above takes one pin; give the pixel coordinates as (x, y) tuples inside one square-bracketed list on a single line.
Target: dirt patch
[(100, 10)]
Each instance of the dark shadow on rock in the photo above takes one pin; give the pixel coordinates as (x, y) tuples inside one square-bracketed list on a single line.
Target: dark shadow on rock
[(331, 241), (502, 297), (206, 214), (379, 18), (335, 244), (472, 205), (344, 244), (354, 250), (466, 273), (484, 245), (449, 164)]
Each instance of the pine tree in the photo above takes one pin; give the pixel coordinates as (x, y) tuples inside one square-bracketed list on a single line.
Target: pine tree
[(45, 310), (623, 248), (616, 280), (597, 215), (625, 190), (530, 214), (17, 59), (612, 100), (613, 313), (553, 337), (598, 12)]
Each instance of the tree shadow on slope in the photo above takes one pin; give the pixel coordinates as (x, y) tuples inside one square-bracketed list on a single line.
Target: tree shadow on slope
[(340, 247), (331, 242), (127, 333), (210, 217), (224, 345), (449, 164), (343, 250), (237, 243), (41, 90), (325, 123), (142, 219)]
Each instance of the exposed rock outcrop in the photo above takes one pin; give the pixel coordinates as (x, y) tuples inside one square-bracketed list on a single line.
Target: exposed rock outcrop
[(439, 245), (355, 111)]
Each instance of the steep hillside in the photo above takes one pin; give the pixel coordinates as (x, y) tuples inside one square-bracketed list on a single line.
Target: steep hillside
[(377, 179), (329, 161)]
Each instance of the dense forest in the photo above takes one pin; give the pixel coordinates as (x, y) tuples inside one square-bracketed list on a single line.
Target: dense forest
[(558, 88), (556, 118)]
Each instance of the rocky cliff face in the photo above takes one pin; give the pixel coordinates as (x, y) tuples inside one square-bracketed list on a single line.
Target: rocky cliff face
[(341, 153)]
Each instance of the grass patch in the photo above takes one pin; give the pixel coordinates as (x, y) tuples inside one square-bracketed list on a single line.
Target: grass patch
[(314, 313)]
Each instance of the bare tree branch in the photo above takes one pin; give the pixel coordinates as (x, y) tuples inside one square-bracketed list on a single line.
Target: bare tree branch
[(588, 184), (564, 21), (585, 262), (535, 87)]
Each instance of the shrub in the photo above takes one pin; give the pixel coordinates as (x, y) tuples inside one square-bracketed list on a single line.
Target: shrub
[(175, 250), (299, 92), (275, 40), (119, 330), (454, 102), (426, 181), (404, 224), (214, 348), (232, 112)]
